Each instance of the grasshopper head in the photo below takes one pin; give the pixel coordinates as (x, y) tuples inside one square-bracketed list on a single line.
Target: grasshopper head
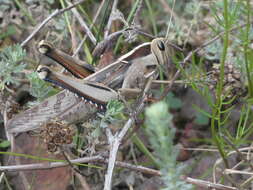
[(163, 52), (160, 49)]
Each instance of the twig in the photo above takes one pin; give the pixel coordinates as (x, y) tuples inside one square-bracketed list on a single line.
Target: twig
[(207, 184), (41, 25), (219, 161), (100, 159), (92, 24), (249, 180), (48, 165), (83, 182), (69, 162), (2, 177), (116, 141), (93, 159), (232, 171), (112, 158), (84, 25), (142, 32), (169, 10), (237, 151), (179, 81), (135, 168), (170, 21), (118, 137)]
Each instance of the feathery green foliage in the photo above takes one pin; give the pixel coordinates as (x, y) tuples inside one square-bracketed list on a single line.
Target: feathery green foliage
[(11, 64), (113, 112), (39, 88), (161, 133)]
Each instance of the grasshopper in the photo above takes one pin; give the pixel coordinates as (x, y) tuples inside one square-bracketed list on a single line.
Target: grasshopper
[(96, 89)]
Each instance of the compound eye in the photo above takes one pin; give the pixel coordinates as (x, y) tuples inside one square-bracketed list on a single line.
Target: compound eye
[(161, 45)]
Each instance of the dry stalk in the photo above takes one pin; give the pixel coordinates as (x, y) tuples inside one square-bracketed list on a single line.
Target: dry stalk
[(41, 25)]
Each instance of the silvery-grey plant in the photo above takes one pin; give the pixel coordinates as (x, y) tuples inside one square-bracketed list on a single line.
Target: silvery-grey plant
[(161, 133)]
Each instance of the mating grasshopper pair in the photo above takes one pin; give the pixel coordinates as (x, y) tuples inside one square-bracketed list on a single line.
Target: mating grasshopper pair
[(97, 88)]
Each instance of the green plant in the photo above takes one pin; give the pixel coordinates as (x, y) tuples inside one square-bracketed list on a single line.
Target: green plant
[(39, 88), (11, 64), (228, 14), (175, 103), (161, 134), (219, 114), (4, 144), (113, 112)]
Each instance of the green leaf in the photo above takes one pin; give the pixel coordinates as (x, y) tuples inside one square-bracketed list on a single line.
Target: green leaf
[(5, 144), (172, 101), (114, 108), (39, 88), (50, 2), (201, 119), (10, 31), (11, 64), (114, 113)]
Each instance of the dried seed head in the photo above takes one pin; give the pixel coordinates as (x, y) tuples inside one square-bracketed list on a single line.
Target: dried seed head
[(233, 83), (57, 133)]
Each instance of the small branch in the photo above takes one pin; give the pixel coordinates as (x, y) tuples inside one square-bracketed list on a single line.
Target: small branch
[(2, 177), (92, 24), (48, 165), (41, 25), (84, 25), (93, 159), (232, 171), (83, 182), (117, 139), (69, 162), (220, 161), (114, 148), (169, 10), (112, 158), (207, 184), (100, 159), (237, 151), (141, 169), (139, 31)]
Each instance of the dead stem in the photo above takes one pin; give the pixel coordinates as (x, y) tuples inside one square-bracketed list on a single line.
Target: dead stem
[(41, 25)]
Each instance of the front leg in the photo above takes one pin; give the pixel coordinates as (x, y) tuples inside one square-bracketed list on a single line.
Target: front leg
[(129, 93), (137, 75)]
